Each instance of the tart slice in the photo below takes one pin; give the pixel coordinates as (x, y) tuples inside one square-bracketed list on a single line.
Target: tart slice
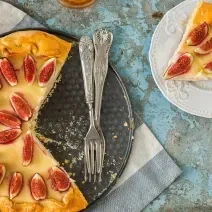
[(192, 60), (30, 178)]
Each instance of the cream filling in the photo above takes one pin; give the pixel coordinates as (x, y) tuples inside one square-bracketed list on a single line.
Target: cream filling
[(201, 13), (196, 71)]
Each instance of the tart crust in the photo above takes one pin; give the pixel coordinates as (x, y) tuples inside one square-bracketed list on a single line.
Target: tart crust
[(41, 46), (73, 201)]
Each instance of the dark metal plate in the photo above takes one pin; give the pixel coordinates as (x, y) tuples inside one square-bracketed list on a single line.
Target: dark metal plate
[(64, 119)]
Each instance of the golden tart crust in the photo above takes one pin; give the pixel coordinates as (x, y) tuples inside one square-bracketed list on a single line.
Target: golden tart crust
[(203, 13), (41, 46), (37, 43), (73, 201)]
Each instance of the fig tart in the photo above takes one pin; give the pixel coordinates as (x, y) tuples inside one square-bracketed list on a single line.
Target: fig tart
[(192, 60), (31, 180)]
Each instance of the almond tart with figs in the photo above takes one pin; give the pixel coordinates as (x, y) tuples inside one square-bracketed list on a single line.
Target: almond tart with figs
[(192, 60), (31, 180)]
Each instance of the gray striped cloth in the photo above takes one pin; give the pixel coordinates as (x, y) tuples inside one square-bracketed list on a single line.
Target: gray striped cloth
[(150, 169)]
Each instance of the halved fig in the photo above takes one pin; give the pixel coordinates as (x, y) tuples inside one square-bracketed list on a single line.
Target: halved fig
[(21, 106), (59, 179), (28, 149), (179, 66), (47, 71), (9, 120), (29, 69), (38, 187), (208, 67), (8, 136), (205, 48), (8, 71), (197, 35), (15, 185), (2, 172)]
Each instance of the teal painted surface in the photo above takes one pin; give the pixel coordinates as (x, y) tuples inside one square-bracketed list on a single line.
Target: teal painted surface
[(187, 138)]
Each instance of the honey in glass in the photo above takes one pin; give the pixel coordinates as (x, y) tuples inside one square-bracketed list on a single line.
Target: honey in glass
[(76, 3)]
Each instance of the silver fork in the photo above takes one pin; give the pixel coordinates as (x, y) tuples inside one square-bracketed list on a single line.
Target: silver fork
[(102, 39), (92, 144)]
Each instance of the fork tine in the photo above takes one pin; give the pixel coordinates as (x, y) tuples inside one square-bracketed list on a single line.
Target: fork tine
[(97, 159), (85, 170), (102, 154), (88, 162), (95, 162), (94, 178), (100, 168), (89, 177), (100, 177), (87, 157), (92, 157), (98, 156)]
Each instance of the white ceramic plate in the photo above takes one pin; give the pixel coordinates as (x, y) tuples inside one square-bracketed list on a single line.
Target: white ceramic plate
[(192, 97)]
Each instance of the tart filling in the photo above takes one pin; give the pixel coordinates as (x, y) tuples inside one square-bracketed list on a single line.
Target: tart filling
[(193, 57)]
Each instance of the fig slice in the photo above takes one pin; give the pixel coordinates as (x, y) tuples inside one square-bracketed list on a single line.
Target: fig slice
[(205, 48), (29, 69), (179, 66), (21, 106), (8, 71), (8, 136), (60, 180), (15, 185), (47, 71), (28, 149), (2, 172), (198, 34), (38, 187), (9, 120)]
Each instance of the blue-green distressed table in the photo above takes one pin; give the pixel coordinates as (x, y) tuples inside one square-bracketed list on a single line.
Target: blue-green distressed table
[(187, 138)]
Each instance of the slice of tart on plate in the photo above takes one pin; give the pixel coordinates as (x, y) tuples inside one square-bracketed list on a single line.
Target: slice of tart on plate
[(30, 178), (192, 61)]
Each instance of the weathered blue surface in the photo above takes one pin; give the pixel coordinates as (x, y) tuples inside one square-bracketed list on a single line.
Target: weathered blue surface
[(187, 138)]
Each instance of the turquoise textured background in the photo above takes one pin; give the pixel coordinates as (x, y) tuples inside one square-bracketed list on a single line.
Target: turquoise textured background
[(187, 138)]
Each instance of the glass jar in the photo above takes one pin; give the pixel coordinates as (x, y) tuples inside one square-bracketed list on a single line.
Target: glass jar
[(76, 3)]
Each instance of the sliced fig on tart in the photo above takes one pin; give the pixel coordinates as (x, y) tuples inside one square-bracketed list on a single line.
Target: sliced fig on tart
[(38, 187), (180, 65), (29, 69), (15, 185), (21, 106), (205, 48), (47, 72), (8, 71), (198, 34)]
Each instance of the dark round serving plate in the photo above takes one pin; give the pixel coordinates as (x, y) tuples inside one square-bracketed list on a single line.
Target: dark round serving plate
[(64, 120)]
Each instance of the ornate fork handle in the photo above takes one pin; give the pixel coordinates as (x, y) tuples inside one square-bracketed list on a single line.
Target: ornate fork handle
[(86, 50), (102, 43)]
